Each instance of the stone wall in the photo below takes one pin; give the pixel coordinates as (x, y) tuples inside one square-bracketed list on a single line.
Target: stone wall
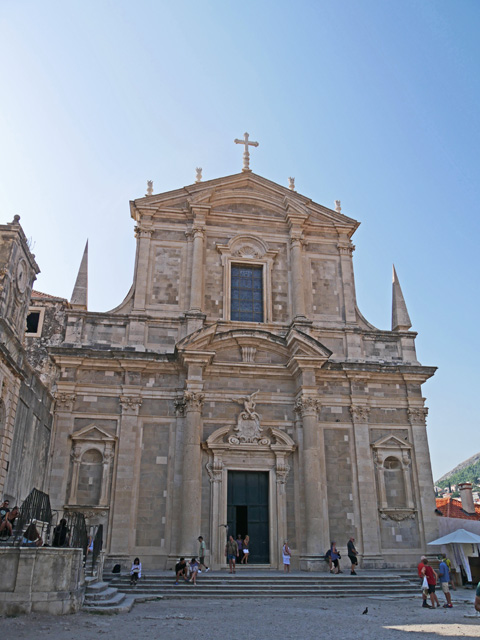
[(44, 580), (31, 439)]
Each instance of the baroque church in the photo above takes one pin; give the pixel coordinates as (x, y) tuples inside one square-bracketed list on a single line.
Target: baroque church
[(237, 389)]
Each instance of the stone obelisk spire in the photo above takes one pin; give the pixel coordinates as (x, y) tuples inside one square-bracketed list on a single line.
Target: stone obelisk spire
[(400, 317), (79, 298)]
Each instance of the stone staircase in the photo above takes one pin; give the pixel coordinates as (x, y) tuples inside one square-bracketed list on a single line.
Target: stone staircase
[(100, 597), (262, 584)]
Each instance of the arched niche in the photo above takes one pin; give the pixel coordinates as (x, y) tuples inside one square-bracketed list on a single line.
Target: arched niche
[(393, 458), (92, 454)]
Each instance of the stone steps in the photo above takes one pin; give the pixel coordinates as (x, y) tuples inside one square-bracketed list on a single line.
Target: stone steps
[(101, 597), (222, 586)]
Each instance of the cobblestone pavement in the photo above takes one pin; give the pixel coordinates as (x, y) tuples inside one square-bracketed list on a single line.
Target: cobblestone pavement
[(268, 619)]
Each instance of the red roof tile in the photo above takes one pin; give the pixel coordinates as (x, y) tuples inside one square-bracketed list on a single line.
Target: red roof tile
[(452, 508), (39, 294)]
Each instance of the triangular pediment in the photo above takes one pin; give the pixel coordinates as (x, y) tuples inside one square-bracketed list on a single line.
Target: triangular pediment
[(391, 442), (92, 433), (243, 193)]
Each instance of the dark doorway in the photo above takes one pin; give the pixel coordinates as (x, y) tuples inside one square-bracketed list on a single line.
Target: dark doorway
[(247, 511)]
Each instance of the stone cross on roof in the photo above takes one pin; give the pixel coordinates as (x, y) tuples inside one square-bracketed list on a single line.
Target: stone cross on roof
[(246, 154)]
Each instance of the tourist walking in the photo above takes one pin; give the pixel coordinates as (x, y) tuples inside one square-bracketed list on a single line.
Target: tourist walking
[(352, 556), (431, 576), (421, 575), (231, 553), (335, 556), (286, 555), (246, 549), (135, 572), (444, 576), (201, 554)]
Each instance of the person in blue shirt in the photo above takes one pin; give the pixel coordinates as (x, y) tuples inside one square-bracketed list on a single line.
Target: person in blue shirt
[(477, 598), (444, 576)]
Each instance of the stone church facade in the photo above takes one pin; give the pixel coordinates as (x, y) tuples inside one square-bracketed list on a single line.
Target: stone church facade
[(239, 389)]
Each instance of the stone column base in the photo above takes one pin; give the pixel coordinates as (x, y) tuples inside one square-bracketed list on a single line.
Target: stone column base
[(313, 563)]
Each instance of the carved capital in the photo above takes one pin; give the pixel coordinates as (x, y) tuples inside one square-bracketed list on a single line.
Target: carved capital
[(179, 407), (296, 240), (417, 415), (307, 406), (141, 232), (346, 249), (64, 401), (406, 459), (378, 458), (282, 471), (198, 232), (76, 454), (359, 413), (214, 470), (108, 455), (193, 400), (130, 404)]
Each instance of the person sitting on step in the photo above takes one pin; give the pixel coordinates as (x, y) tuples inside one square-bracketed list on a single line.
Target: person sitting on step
[(135, 572)]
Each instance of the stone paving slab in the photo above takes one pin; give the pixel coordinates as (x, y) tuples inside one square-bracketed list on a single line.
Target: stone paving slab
[(260, 620)]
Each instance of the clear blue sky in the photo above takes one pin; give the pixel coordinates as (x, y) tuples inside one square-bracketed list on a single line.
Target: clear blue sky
[(375, 103)]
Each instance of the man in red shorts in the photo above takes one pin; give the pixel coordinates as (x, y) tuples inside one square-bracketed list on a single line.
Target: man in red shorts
[(421, 575)]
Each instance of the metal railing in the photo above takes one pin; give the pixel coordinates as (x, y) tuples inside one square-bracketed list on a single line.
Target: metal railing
[(35, 509), (78, 536), (97, 545)]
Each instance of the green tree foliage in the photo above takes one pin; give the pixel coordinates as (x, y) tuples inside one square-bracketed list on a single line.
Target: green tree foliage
[(468, 474)]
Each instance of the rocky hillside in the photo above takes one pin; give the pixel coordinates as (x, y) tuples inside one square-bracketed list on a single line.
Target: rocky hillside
[(467, 471)]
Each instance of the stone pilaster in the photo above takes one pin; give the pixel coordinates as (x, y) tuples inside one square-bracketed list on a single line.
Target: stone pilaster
[(8, 408), (76, 461), (424, 479), (366, 496), (144, 236), (346, 249), (315, 483), (196, 290), (108, 456), (123, 505), (191, 495), (298, 294), (61, 448)]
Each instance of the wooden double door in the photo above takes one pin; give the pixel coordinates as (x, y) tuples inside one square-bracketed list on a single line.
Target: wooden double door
[(248, 512)]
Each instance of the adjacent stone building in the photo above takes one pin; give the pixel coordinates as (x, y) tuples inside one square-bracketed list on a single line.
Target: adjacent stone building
[(26, 403), (238, 388)]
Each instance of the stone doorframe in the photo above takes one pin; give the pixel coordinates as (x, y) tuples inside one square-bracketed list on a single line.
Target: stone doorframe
[(269, 454)]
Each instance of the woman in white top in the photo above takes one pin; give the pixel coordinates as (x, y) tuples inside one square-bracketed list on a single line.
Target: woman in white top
[(135, 572), (286, 553)]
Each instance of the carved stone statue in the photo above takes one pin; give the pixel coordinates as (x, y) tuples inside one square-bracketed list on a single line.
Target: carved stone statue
[(248, 429)]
